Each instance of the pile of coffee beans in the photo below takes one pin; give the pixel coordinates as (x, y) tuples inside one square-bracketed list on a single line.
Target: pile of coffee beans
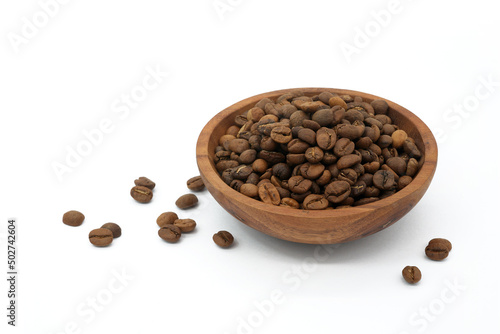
[(317, 152), (437, 250), (143, 190)]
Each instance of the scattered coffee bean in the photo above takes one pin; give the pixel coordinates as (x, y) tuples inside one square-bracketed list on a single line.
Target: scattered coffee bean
[(101, 237), (186, 201), (185, 225), (195, 184), (170, 233), (114, 228), (223, 239), (141, 194), (73, 218), (438, 250), (412, 274), (145, 182), (166, 218), (284, 151), (446, 242)]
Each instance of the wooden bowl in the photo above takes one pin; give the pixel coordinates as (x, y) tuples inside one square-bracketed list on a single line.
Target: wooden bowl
[(322, 226)]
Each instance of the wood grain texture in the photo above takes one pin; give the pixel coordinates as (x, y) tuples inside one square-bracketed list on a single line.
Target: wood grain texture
[(323, 226)]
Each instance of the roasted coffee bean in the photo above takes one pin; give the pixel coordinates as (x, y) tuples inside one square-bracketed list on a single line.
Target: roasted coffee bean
[(242, 172), (145, 182), (185, 225), (388, 129), (343, 146), (255, 114), (446, 242), (412, 274), (398, 138), (323, 117), (328, 158), (411, 149), (295, 159), (372, 192), (283, 192), (370, 121), (308, 136), (383, 180), (236, 184), (260, 165), (267, 174), (233, 130), (226, 164), (250, 190), (227, 176), (326, 138), (324, 179), (349, 175), (390, 170), (314, 154), (384, 141), (337, 101), (290, 202), (186, 201), (371, 167), (358, 189), (297, 146), (166, 218), (300, 197), (363, 143), (311, 171), (310, 124), (315, 202), (281, 134), (73, 218), (347, 161), (380, 106), (101, 237), (307, 106), (195, 184), (404, 181), (437, 250), (367, 178), (253, 178), (272, 157), (325, 97), (298, 117), (269, 194), (114, 228), (350, 131), (282, 171), (141, 194), (170, 233), (337, 191), (397, 164), (353, 115), (248, 157), (222, 155), (238, 145), (223, 239), (299, 185)]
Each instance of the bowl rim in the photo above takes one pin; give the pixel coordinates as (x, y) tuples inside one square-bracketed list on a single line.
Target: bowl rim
[(208, 171)]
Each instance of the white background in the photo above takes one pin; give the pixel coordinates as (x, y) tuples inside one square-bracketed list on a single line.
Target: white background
[(65, 77)]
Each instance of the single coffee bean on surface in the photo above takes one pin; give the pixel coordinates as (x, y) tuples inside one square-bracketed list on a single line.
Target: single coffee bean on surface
[(145, 182), (101, 237), (195, 183), (186, 201), (73, 218), (437, 250), (166, 218), (186, 225), (412, 274), (170, 233), (446, 242), (223, 239), (114, 228), (141, 194)]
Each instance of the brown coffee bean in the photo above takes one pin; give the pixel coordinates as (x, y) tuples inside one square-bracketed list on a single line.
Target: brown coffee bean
[(223, 165), (411, 149), (260, 165), (347, 161), (248, 157), (350, 131), (73, 218), (195, 184), (314, 154), (114, 228), (380, 106), (281, 134), (299, 185), (166, 218), (326, 138), (250, 190), (242, 172), (337, 191), (383, 180), (342, 147), (268, 144), (337, 101), (223, 239), (269, 194), (412, 274), (308, 136), (170, 233), (307, 106), (323, 117), (282, 171), (295, 159), (186, 201), (289, 202), (238, 145), (255, 114), (349, 175), (404, 181), (445, 242), (145, 182), (185, 225), (358, 189), (372, 192), (311, 171), (101, 237), (310, 124), (438, 249), (315, 202), (141, 194), (412, 167), (398, 138), (397, 164), (384, 141), (272, 157), (297, 146)]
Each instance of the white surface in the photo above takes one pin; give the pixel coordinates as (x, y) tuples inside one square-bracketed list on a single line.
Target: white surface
[(65, 79)]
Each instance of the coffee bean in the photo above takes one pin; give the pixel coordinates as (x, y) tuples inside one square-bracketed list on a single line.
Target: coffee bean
[(358, 189), (248, 157), (185, 225), (446, 242), (145, 182), (281, 134), (73, 218), (195, 184), (323, 117), (311, 171), (114, 228), (411, 149), (269, 194), (398, 138), (337, 101), (101, 237), (343, 146), (383, 180), (166, 218), (170, 233), (314, 154), (404, 181), (315, 202), (349, 175), (289, 202), (308, 136), (437, 250), (250, 190), (412, 167), (380, 106), (299, 185), (282, 171), (242, 172), (223, 239), (347, 161), (412, 274), (337, 191), (238, 145), (186, 201), (326, 138), (260, 165), (397, 164), (141, 194)]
